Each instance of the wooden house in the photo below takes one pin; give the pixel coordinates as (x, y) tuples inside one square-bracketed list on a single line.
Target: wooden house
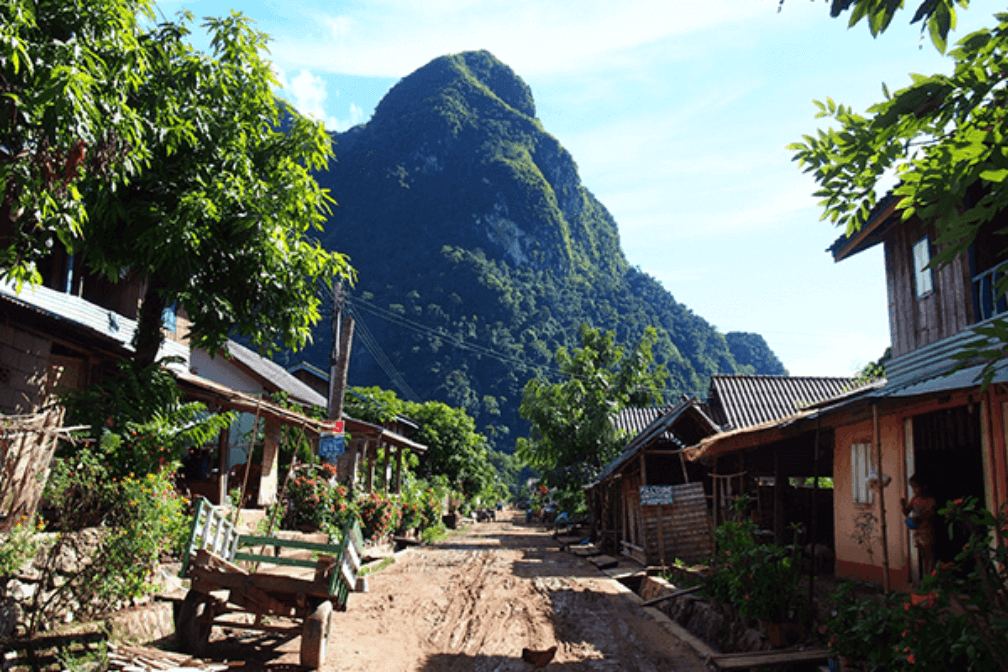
[(925, 418), (775, 462), (649, 503)]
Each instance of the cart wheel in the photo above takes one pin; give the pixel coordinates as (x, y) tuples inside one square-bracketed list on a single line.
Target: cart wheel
[(193, 624), (315, 636)]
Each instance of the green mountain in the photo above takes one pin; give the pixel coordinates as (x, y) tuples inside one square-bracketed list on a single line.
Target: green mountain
[(479, 251)]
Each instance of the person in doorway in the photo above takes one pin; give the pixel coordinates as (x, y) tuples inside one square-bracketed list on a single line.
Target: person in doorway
[(920, 512)]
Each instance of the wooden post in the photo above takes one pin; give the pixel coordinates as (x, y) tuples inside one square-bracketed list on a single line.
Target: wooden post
[(714, 491), (661, 537), (778, 498), (223, 458), (385, 469), (812, 526), (643, 470), (881, 491), (339, 357), (682, 463), (334, 408), (370, 454), (398, 470), (268, 478)]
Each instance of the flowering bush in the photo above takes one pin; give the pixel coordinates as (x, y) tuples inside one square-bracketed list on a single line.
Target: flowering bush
[(410, 516), (136, 520), (430, 509), (957, 619), (148, 522), (379, 515), (317, 501), (19, 546)]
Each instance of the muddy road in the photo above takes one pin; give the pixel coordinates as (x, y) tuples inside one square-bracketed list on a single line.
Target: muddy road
[(472, 602)]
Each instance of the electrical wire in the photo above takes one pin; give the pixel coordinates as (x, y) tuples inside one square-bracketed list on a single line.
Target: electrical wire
[(422, 329)]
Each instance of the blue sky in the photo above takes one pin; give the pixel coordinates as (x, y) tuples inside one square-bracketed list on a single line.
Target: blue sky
[(677, 114)]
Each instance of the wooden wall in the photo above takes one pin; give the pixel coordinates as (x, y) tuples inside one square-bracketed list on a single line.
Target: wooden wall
[(947, 310), (683, 527)]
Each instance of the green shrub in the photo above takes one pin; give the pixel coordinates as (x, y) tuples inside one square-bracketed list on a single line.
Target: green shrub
[(761, 581), (134, 522)]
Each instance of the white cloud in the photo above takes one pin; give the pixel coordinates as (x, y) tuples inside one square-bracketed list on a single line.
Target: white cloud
[(394, 38), (309, 93), (356, 117), (339, 26)]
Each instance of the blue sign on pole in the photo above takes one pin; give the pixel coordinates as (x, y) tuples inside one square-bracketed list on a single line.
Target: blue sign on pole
[(331, 446)]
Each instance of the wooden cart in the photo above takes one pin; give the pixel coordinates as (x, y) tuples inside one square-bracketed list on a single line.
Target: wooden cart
[(270, 588)]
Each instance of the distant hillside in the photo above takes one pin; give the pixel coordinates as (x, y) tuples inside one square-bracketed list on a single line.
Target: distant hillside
[(479, 251), (752, 351)]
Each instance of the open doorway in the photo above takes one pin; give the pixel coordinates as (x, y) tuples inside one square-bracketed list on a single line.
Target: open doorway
[(948, 458)]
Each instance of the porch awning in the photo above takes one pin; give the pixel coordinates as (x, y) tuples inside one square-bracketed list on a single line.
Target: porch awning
[(210, 392)]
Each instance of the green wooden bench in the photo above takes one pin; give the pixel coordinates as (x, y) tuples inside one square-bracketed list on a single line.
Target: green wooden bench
[(210, 562)]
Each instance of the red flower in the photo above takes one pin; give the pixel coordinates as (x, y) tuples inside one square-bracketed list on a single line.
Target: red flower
[(956, 502), (911, 659)]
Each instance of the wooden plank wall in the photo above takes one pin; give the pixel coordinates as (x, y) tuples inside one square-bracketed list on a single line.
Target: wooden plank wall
[(947, 310), (685, 528)]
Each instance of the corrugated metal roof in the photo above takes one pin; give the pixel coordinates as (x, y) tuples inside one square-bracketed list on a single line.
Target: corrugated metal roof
[(635, 420), (86, 315), (277, 375), (737, 402), (660, 426)]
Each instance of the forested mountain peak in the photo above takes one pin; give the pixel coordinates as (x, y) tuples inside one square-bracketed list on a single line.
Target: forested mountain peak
[(479, 251)]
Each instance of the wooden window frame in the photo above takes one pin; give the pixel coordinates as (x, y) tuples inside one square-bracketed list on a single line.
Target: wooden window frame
[(861, 470), (922, 274)]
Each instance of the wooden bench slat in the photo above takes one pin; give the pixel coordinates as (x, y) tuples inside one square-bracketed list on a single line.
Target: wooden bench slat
[(271, 560), (255, 540)]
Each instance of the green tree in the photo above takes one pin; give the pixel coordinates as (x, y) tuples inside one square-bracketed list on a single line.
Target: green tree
[(219, 220), (935, 16), (196, 179), (943, 137), (573, 434), (66, 72), (454, 447)]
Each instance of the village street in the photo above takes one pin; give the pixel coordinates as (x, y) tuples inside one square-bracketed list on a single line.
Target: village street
[(472, 602)]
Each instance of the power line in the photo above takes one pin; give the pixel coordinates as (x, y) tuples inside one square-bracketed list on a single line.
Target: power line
[(406, 323), (378, 354)]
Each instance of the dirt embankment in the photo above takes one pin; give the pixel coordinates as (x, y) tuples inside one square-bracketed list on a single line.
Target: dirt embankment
[(473, 602)]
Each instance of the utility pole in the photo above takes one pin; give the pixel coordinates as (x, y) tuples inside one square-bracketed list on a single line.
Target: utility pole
[(339, 358)]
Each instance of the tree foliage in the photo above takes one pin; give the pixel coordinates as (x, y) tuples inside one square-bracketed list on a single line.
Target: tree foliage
[(454, 448), (66, 72), (938, 17), (573, 434), (149, 159), (944, 139)]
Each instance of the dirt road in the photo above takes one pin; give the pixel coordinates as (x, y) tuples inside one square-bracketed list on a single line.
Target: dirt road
[(473, 602)]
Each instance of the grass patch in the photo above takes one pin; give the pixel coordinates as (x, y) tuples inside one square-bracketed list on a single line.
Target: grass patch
[(372, 569)]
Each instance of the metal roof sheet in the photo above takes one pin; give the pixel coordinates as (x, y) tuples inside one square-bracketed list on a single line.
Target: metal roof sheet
[(738, 402), (83, 314), (277, 375)]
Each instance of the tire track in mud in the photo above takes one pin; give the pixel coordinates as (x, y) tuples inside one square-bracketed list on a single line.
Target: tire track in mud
[(472, 602), (489, 610)]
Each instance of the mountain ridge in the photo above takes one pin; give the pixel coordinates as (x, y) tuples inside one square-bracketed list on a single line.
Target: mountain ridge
[(468, 224)]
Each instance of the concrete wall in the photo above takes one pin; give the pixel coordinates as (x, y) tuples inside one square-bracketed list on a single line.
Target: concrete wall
[(220, 370), (853, 559)]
